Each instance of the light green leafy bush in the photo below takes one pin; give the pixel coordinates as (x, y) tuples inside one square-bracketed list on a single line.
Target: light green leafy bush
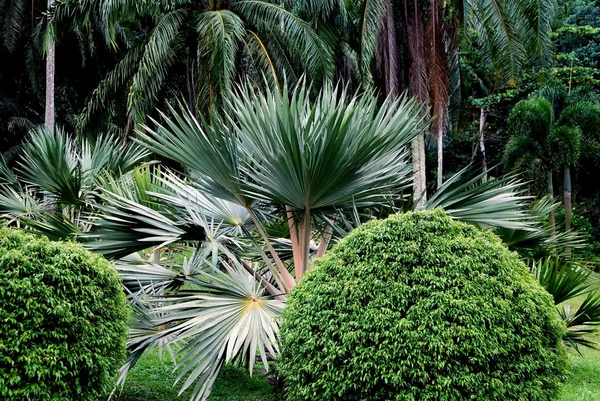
[(419, 307), (63, 320)]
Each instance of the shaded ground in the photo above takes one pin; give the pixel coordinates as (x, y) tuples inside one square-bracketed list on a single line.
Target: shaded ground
[(152, 380)]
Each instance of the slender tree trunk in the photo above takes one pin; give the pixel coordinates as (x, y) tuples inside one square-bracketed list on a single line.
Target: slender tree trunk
[(568, 203), (306, 231), (418, 86), (440, 159), (50, 64), (568, 200), (296, 248), (551, 196), (418, 164), (482, 118)]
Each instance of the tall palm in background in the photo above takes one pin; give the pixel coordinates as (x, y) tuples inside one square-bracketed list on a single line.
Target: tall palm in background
[(211, 44), (413, 45), (539, 138)]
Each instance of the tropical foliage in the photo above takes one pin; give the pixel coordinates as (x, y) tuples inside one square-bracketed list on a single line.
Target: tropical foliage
[(56, 177)]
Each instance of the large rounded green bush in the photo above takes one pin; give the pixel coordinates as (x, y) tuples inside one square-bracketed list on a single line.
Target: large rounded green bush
[(419, 307), (63, 320)]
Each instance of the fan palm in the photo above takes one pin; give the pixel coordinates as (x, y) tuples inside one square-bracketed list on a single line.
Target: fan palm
[(272, 158), (566, 280), (54, 182), (215, 42), (379, 33)]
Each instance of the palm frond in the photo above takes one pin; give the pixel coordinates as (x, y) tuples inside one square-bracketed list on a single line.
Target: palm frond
[(122, 227), (219, 32), (336, 151), (371, 18), (297, 34), (225, 318), (487, 203), (583, 322)]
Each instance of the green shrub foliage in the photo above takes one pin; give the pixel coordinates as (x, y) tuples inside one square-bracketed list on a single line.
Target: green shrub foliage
[(63, 320), (419, 307)]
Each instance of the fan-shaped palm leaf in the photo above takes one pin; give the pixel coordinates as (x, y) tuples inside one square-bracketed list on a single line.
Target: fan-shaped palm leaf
[(487, 203), (226, 318)]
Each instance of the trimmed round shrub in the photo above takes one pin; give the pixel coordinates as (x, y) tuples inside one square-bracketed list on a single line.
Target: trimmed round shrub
[(63, 320), (419, 307)]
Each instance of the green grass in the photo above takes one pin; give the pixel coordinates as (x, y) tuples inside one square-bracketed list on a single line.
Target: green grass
[(583, 383), (152, 380)]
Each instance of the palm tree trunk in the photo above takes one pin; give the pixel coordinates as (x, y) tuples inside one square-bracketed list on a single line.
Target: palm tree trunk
[(568, 202), (417, 82), (551, 196), (50, 64), (306, 232), (440, 159), (482, 118), (418, 164), (567, 196)]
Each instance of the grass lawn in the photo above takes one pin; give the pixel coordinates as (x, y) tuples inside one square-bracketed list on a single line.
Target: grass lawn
[(152, 380), (583, 384)]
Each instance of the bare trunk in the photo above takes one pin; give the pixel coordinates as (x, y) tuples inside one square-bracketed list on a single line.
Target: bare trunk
[(306, 231), (567, 195), (325, 240), (418, 164), (296, 249), (482, 118), (50, 64), (417, 79), (568, 203), (551, 196), (440, 159)]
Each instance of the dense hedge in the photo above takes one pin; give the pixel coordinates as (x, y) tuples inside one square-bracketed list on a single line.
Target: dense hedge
[(63, 320), (419, 307)]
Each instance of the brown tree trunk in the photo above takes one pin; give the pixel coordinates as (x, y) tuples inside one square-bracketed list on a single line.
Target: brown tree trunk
[(568, 203), (551, 196), (440, 159), (50, 64), (482, 118)]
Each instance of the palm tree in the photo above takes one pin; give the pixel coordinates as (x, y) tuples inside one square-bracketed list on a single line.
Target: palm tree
[(379, 33), (55, 182), (537, 138), (213, 44), (271, 185), (578, 122)]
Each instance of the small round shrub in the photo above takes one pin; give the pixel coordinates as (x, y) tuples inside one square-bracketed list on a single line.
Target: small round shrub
[(419, 307), (63, 320)]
